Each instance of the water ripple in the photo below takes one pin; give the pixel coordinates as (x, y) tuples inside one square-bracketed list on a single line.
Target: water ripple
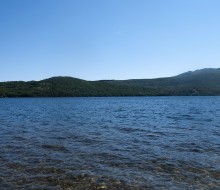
[(110, 143)]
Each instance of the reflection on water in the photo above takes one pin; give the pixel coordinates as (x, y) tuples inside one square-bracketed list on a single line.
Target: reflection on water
[(110, 143)]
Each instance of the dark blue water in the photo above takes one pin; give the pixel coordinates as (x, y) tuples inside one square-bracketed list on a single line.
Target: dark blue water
[(110, 143)]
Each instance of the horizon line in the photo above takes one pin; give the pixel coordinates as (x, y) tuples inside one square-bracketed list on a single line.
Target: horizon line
[(106, 79)]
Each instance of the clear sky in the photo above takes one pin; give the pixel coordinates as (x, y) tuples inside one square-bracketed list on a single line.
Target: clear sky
[(107, 39)]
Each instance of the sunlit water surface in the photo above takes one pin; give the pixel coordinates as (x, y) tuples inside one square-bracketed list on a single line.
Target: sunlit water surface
[(110, 143)]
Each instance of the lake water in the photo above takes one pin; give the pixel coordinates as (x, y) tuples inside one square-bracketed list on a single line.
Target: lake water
[(110, 143)]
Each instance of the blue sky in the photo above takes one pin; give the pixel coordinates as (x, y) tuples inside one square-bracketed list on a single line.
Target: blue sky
[(107, 39)]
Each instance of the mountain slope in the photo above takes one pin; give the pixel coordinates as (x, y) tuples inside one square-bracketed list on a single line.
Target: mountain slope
[(68, 87), (200, 82)]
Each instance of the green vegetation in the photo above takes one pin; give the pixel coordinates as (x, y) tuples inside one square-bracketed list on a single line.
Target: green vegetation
[(200, 82), (68, 87)]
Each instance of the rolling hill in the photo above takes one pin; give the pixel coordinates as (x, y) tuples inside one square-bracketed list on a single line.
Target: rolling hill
[(200, 82)]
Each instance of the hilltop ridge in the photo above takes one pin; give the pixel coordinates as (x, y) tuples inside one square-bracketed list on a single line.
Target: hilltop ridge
[(199, 82)]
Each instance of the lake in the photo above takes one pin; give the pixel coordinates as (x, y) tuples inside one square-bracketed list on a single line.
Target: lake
[(110, 143)]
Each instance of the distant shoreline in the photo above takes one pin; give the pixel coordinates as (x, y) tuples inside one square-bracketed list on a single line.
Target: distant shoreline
[(205, 82), (111, 96)]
